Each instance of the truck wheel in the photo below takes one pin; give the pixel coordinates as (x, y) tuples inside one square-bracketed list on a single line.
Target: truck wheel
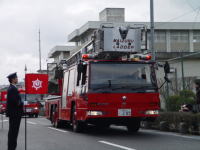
[(77, 126), (57, 123), (133, 127), (36, 115)]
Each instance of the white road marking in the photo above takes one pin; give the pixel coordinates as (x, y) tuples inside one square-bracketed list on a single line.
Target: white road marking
[(172, 134), (57, 129), (116, 145), (3, 120), (31, 122)]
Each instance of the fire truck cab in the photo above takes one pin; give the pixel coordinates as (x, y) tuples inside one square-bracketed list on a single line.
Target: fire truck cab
[(32, 105), (3, 97), (109, 81)]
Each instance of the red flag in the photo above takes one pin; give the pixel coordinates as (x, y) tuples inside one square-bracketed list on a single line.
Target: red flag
[(36, 83)]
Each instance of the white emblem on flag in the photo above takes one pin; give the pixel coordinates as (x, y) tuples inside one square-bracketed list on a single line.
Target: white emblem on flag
[(37, 84)]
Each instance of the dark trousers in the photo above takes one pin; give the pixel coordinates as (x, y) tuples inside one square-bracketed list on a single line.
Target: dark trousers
[(14, 124)]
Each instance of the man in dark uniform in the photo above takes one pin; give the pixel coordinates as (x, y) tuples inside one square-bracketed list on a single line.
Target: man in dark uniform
[(197, 85), (14, 111)]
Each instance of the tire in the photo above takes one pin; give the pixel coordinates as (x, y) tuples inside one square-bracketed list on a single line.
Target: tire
[(57, 124), (77, 126), (36, 115), (133, 127)]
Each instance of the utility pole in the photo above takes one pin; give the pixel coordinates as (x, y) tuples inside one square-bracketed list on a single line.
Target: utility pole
[(25, 103), (39, 52), (152, 30), (182, 71)]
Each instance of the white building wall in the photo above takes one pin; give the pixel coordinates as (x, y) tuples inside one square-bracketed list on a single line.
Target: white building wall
[(191, 68)]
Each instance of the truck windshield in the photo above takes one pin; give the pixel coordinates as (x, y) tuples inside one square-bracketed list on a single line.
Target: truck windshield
[(115, 76), (31, 98)]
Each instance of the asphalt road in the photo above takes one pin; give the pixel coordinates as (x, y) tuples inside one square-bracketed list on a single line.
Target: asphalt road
[(42, 136)]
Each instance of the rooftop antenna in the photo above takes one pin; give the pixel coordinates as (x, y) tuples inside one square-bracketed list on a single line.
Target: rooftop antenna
[(152, 30)]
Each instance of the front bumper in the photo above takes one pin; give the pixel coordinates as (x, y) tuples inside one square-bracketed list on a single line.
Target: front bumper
[(31, 111), (118, 120)]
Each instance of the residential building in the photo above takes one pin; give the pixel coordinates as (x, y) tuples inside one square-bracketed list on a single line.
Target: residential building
[(58, 54)]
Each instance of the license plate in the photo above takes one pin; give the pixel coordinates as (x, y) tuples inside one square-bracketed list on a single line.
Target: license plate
[(28, 110), (124, 112)]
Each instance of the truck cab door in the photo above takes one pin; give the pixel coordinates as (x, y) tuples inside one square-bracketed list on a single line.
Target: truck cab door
[(65, 90)]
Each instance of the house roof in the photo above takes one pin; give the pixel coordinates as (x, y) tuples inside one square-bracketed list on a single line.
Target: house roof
[(92, 25), (58, 49)]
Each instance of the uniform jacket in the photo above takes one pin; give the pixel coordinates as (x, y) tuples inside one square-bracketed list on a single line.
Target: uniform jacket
[(14, 102)]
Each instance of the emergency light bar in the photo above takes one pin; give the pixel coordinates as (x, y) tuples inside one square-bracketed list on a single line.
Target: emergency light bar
[(141, 57), (89, 56), (135, 57)]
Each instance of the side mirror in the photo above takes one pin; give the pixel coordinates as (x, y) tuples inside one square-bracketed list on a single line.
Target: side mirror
[(166, 67), (58, 73), (167, 79)]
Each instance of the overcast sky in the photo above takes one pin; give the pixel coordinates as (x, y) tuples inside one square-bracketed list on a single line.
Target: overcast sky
[(21, 19)]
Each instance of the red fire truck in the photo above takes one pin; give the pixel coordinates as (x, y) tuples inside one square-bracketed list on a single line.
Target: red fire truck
[(108, 81), (3, 97), (32, 105)]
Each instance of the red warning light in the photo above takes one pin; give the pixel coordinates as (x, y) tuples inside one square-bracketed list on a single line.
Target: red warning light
[(148, 57), (85, 56)]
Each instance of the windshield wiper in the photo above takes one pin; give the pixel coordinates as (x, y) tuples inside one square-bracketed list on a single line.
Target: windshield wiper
[(121, 87), (144, 88), (102, 87), (135, 88)]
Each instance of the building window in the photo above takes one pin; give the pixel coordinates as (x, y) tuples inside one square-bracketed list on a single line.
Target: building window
[(196, 40), (160, 36), (179, 41), (160, 41)]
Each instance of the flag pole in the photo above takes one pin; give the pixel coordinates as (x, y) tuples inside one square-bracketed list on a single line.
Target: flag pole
[(25, 110)]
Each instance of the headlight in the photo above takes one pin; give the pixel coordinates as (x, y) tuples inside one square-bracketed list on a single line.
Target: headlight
[(152, 112), (94, 113), (36, 108)]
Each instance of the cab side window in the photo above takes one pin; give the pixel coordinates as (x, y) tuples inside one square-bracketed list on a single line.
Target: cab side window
[(65, 89), (71, 83)]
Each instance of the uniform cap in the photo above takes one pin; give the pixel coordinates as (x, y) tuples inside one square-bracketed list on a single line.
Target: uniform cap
[(12, 75)]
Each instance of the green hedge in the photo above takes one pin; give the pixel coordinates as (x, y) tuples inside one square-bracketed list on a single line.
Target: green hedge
[(173, 103), (174, 119)]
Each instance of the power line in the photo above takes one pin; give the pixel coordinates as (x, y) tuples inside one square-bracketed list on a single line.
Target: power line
[(197, 13), (189, 4), (191, 11), (184, 56), (195, 19)]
